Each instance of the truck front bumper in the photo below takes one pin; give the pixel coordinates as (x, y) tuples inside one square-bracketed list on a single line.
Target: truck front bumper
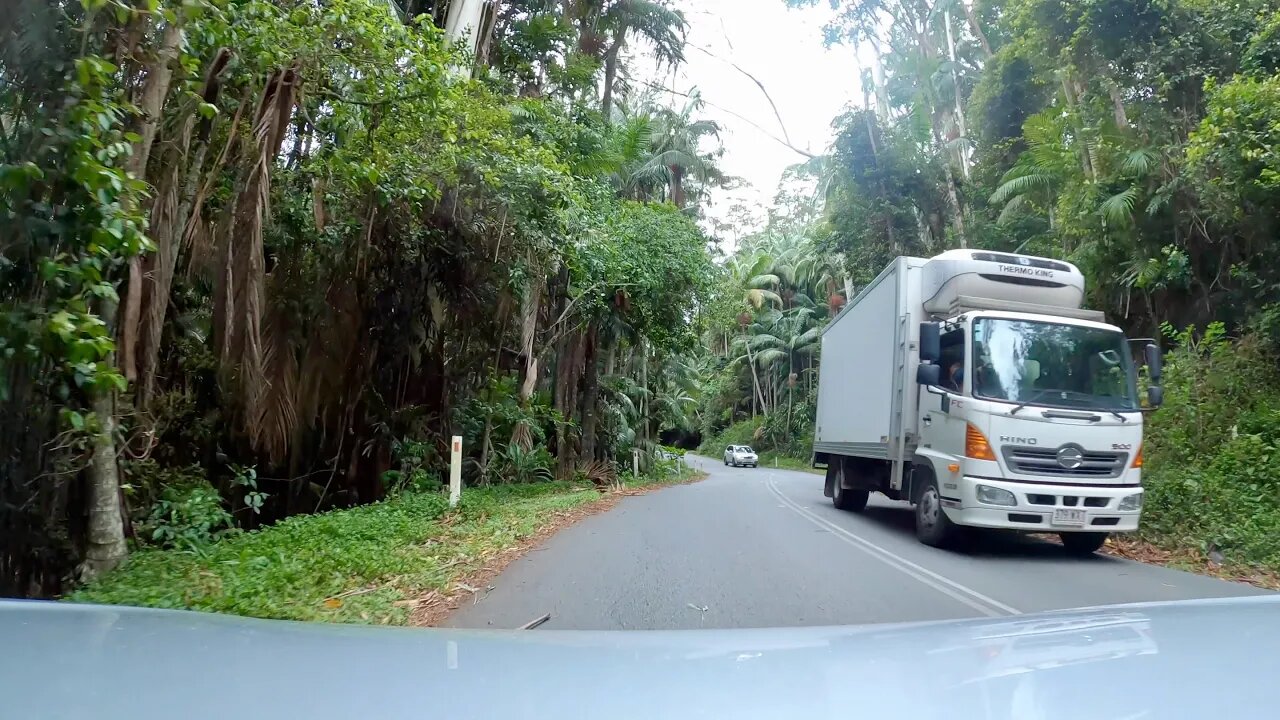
[(1040, 508)]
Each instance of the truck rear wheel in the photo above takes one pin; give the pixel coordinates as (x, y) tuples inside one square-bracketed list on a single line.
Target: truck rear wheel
[(850, 499), (1083, 543), (933, 527)]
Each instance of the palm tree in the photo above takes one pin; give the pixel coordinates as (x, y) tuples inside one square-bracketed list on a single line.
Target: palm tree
[(1040, 172), (678, 148), (660, 151)]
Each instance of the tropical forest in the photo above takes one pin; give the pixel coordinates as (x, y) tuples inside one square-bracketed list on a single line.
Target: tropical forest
[(262, 260)]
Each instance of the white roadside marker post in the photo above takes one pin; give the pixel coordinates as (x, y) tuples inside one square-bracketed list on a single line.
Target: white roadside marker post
[(455, 471), (635, 463)]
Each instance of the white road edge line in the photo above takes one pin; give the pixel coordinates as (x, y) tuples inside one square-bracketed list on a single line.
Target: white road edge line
[(974, 599)]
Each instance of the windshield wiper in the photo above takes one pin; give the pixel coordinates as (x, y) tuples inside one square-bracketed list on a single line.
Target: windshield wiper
[(1042, 392), (1029, 400)]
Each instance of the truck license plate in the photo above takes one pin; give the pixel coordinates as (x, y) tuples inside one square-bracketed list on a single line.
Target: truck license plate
[(1068, 516)]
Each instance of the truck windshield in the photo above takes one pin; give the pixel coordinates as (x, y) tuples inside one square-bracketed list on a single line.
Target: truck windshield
[(1052, 364)]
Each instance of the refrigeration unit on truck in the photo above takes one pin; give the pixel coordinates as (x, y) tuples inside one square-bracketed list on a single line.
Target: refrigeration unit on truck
[(975, 386)]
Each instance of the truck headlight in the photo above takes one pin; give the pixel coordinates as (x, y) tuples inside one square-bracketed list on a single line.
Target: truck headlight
[(1131, 502), (996, 496)]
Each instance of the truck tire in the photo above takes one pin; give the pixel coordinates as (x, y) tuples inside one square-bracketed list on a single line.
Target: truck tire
[(933, 527), (848, 499), (1083, 544)]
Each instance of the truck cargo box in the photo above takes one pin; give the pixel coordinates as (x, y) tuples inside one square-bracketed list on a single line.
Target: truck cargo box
[(867, 352)]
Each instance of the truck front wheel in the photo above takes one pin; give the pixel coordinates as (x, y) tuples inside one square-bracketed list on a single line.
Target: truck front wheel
[(933, 527), (1083, 543)]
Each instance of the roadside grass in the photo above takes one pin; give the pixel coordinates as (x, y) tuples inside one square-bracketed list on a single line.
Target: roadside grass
[(362, 565), (785, 462)]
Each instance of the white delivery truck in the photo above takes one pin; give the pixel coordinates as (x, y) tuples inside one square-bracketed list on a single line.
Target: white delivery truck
[(975, 386)]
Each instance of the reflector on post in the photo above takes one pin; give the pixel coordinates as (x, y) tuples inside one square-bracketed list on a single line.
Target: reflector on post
[(455, 471)]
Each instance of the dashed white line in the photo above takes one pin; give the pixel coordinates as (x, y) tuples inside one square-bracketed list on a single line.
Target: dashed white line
[(966, 595)]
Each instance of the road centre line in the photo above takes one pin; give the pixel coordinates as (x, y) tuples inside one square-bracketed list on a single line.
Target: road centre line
[(966, 595)]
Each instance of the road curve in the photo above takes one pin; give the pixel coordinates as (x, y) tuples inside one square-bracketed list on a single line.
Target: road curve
[(757, 547)]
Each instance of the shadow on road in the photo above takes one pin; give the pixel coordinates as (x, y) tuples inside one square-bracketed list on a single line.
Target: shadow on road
[(993, 544)]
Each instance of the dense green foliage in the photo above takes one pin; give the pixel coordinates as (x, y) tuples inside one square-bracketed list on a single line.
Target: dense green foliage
[(268, 256), (1212, 460)]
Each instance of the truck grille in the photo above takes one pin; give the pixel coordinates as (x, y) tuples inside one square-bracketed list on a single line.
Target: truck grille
[(1044, 461)]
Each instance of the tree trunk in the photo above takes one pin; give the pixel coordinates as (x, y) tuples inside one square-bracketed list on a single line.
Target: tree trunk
[(484, 448), (590, 393), (611, 359), (791, 385), (677, 186), (644, 383), (954, 198), (168, 231), (568, 374), (528, 332), (877, 79), (976, 29), (1086, 153), (1117, 102), (462, 25), (154, 91), (755, 377), (105, 545), (488, 22), (955, 86), (610, 76)]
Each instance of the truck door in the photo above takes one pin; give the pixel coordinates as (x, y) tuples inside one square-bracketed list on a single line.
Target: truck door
[(942, 422)]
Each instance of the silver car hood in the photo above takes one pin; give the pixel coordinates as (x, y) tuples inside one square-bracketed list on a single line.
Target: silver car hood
[(1197, 659)]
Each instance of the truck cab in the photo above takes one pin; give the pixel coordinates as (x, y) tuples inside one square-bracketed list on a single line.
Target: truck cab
[(1033, 424)]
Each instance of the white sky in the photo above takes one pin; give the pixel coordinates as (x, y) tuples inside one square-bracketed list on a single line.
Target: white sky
[(782, 47)]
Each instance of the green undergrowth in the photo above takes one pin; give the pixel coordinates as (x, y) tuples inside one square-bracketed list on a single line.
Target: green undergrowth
[(360, 565), (784, 462), (1212, 452)]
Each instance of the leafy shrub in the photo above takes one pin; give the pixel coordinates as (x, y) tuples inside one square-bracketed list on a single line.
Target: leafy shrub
[(745, 432), (412, 459), (1212, 452), (498, 404), (1231, 505), (1210, 383), (187, 516), (525, 466)]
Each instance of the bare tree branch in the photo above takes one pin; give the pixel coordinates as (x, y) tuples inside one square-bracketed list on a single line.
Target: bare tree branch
[(747, 120)]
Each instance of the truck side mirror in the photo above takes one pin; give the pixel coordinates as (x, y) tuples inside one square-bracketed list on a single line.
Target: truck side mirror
[(930, 342), (1155, 396), (1155, 370), (928, 375)]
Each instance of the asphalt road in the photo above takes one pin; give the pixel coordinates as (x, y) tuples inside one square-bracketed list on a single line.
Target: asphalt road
[(757, 547)]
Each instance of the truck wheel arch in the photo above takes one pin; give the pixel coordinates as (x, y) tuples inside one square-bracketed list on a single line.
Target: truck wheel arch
[(922, 470)]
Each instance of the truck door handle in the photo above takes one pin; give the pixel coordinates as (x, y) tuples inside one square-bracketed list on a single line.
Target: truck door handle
[(928, 420)]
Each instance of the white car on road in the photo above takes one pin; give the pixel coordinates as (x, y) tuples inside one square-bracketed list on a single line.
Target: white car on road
[(740, 455)]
